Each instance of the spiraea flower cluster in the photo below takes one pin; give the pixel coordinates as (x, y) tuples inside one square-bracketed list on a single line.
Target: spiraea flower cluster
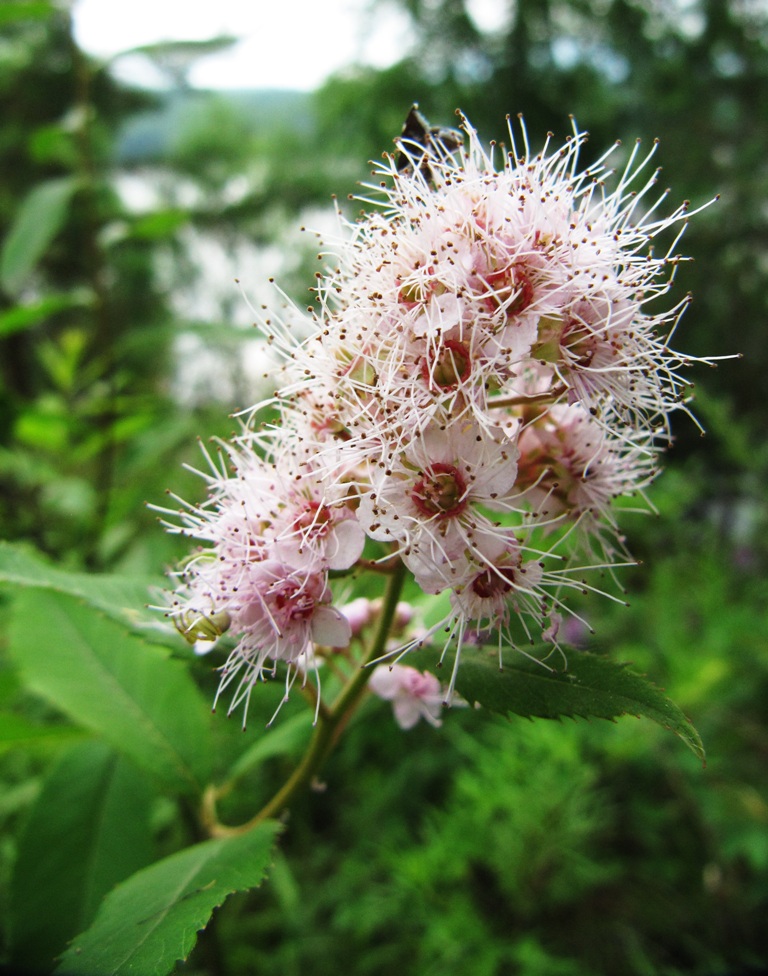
[(488, 369)]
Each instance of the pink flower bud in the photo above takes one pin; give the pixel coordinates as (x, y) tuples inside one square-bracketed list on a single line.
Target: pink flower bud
[(414, 694), (359, 614)]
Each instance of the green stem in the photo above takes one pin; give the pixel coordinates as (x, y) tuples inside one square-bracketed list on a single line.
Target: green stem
[(523, 401), (330, 723), (351, 692)]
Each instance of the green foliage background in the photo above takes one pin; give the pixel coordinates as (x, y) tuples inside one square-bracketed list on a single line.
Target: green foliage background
[(492, 845)]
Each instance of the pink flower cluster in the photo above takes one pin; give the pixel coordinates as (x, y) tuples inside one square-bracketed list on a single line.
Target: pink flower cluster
[(487, 371)]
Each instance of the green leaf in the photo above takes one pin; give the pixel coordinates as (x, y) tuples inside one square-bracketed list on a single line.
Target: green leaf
[(123, 598), (589, 687), (25, 316), (159, 225), (39, 218), (26, 10), (151, 920), (89, 829), (283, 738), (112, 682), (44, 429), (17, 731)]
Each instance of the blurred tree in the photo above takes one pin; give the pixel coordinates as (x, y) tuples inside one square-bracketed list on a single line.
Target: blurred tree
[(77, 283), (175, 59)]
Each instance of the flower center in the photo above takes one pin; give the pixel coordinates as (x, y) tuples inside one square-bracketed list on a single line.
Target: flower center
[(581, 344), (441, 492), (494, 582), (313, 516), (512, 286), (451, 366), (418, 291), (292, 602)]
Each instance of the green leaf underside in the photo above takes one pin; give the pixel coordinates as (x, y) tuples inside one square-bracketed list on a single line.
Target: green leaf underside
[(151, 920), (589, 687), (122, 597), (88, 829), (108, 680)]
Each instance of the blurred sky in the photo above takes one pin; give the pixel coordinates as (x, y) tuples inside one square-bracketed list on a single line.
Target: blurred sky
[(286, 43)]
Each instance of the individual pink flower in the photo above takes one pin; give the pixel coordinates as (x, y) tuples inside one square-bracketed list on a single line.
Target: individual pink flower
[(414, 694), (503, 584), (429, 496), (570, 465), (281, 613), (304, 506)]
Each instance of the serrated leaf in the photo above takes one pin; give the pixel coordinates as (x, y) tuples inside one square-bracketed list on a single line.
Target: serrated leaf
[(39, 218), (112, 682), (89, 829), (151, 920), (123, 598), (588, 687)]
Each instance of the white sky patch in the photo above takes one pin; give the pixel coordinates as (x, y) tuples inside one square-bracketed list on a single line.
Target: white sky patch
[(490, 16), (292, 44)]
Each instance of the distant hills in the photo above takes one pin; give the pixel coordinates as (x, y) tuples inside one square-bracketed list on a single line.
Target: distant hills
[(146, 136)]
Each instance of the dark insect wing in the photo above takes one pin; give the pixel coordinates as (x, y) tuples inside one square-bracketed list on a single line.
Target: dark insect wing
[(415, 128), (419, 139)]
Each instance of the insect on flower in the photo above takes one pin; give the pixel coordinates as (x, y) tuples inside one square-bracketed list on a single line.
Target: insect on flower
[(421, 140), (195, 626)]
